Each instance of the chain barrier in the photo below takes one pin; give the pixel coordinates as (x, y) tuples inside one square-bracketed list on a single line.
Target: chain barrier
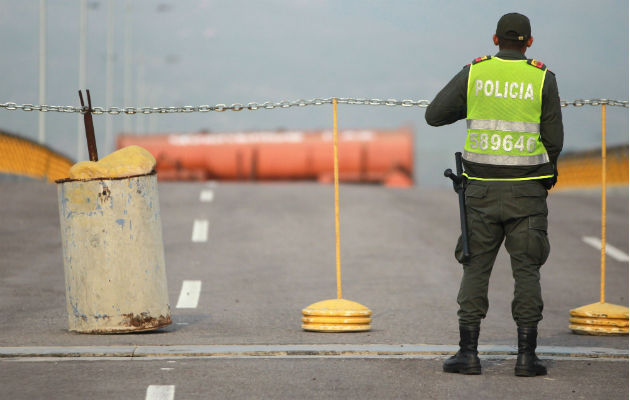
[(268, 105)]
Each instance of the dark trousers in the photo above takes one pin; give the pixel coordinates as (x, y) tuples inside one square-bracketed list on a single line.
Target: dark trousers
[(517, 212)]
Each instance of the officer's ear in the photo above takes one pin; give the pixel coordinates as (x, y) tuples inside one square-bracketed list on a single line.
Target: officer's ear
[(495, 39), (530, 41)]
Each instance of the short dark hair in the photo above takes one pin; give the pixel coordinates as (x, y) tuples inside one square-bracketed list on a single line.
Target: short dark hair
[(511, 44)]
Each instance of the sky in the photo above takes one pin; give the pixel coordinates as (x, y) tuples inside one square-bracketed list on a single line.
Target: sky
[(197, 52)]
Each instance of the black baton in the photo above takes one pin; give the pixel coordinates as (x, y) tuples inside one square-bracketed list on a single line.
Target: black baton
[(459, 181)]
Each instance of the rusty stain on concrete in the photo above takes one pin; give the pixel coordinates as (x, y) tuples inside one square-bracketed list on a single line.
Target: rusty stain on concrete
[(105, 194), (144, 321)]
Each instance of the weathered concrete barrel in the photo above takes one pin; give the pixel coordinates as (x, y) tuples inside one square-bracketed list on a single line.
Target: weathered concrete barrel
[(113, 254)]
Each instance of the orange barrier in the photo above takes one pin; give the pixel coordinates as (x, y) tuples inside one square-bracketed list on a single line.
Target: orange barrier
[(20, 156), (375, 156), (584, 169)]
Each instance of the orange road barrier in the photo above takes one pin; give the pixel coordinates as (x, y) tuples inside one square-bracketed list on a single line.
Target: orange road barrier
[(21, 156), (372, 156)]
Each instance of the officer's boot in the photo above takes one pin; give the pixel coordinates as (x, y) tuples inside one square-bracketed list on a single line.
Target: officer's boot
[(466, 361), (527, 364)]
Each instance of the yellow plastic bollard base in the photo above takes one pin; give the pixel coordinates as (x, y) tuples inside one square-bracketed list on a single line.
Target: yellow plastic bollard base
[(618, 322), (336, 315), (601, 319), (598, 330)]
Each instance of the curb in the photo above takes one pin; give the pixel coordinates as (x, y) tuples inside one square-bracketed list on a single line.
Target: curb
[(271, 351)]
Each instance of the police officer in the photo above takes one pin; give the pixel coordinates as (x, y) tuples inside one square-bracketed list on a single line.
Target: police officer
[(512, 110)]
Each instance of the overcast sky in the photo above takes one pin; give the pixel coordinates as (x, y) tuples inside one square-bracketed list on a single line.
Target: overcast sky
[(195, 52)]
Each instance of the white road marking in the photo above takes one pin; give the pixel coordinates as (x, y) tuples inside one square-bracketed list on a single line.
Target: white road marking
[(200, 231), (166, 369), (610, 250), (189, 295), (206, 196), (160, 392)]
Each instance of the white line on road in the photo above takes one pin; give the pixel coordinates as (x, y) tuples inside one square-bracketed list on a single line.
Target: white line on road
[(610, 250), (160, 392), (206, 196), (200, 231), (189, 295)]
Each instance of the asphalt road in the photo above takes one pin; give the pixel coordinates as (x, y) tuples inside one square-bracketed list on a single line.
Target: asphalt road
[(308, 379), (271, 252)]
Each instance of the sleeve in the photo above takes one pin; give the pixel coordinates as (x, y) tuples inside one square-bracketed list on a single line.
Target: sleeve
[(449, 105), (551, 129)]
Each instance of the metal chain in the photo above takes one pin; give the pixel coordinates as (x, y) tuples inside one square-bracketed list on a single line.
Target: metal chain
[(594, 102), (268, 105)]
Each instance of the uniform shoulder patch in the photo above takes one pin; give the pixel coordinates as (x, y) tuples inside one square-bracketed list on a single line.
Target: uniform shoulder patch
[(480, 59), (536, 63)]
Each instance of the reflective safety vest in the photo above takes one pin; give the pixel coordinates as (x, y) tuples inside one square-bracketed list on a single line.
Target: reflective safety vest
[(504, 103)]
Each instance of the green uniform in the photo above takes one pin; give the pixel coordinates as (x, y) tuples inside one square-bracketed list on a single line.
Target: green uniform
[(514, 137), (516, 212)]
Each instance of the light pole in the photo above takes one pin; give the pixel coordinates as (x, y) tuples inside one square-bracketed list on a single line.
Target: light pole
[(42, 70), (127, 70), (109, 75), (82, 70), (140, 94)]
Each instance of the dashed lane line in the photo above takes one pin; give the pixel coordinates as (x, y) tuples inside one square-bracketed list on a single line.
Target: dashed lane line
[(612, 251), (189, 295), (160, 392), (200, 231), (206, 196)]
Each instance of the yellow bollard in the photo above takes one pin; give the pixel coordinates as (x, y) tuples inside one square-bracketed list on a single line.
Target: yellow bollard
[(336, 315), (113, 254), (602, 319)]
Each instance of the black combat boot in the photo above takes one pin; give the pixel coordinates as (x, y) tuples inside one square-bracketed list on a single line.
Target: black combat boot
[(527, 364), (466, 361)]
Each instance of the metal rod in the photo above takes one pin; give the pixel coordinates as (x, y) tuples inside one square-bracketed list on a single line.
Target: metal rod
[(336, 172), (89, 126), (603, 272)]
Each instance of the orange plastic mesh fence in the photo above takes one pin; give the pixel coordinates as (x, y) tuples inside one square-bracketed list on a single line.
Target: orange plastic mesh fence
[(584, 169), (21, 156)]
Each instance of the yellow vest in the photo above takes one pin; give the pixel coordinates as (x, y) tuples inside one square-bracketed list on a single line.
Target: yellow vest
[(504, 102)]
